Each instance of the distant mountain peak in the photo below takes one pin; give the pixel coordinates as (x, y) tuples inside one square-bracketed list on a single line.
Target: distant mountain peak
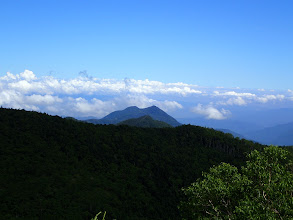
[(153, 107), (134, 112), (131, 107)]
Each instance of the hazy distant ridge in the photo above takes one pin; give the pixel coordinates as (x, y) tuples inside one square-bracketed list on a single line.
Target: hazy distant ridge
[(277, 135)]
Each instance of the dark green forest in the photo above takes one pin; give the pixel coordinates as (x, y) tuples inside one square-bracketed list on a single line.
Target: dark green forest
[(145, 121), (56, 168)]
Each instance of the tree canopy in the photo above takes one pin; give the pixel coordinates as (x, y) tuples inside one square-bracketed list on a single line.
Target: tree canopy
[(61, 168), (262, 189)]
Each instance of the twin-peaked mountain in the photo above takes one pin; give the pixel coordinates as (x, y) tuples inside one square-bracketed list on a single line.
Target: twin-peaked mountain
[(135, 112)]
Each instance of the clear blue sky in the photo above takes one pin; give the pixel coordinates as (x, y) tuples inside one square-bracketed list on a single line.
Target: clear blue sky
[(245, 43)]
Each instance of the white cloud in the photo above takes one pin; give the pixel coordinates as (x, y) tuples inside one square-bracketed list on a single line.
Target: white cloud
[(89, 96), (9, 76), (27, 82), (22, 86), (236, 101), (43, 99), (93, 107), (246, 97), (169, 105), (290, 95), (233, 101), (233, 93), (14, 99), (28, 75), (151, 87), (76, 97), (211, 112), (266, 98)]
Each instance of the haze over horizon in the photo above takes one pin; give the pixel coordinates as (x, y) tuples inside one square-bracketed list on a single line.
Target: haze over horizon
[(207, 59)]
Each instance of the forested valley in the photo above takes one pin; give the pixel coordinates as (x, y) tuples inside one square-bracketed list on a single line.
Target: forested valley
[(56, 168)]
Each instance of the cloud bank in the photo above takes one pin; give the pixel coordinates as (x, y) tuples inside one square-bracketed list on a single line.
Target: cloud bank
[(88, 96), (78, 97)]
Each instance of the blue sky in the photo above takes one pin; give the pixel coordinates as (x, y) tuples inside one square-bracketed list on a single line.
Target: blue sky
[(207, 58), (245, 44)]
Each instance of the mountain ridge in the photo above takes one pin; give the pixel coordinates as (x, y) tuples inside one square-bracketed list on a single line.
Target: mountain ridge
[(281, 135), (145, 121), (135, 112)]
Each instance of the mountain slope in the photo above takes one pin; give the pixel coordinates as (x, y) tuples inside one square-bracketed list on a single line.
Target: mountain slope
[(135, 112), (145, 122), (54, 168)]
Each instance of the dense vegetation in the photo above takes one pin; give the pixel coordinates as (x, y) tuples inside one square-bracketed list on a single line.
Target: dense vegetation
[(263, 189), (145, 122), (55, 168)]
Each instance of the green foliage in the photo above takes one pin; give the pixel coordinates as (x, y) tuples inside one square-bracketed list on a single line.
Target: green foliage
[(270, 191), (263, 190), (96, 217), (214, 196)]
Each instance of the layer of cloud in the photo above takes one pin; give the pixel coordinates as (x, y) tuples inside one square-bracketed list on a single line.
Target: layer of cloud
[(267, 98), (211, 112), (233, 93), (233, 101), (89, 96), (27, 82), (244, 98), (78, 97)]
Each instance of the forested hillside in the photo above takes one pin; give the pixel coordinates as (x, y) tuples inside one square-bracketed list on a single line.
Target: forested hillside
[(55, 168), (145, 122)]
